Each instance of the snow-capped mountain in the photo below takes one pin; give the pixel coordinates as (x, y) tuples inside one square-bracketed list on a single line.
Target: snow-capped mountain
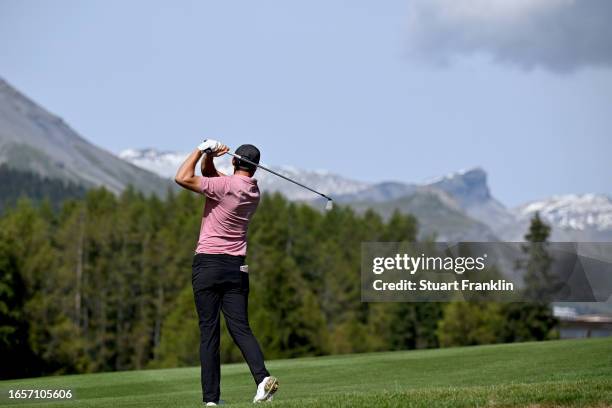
[(586, 216), (320, 180), (162, 163), (573, 217), (166, 163), (573, 211), (461, 200)]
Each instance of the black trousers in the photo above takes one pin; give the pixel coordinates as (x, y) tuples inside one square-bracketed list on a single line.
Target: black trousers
[(218, 284)]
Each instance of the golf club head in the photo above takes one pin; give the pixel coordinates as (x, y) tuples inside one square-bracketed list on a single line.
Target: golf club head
[(329, 205)]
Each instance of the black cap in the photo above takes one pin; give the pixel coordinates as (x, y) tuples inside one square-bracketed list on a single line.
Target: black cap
[(249, 152)]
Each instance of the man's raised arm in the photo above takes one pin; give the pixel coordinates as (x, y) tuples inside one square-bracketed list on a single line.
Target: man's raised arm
[(208, 166), (185, 176)]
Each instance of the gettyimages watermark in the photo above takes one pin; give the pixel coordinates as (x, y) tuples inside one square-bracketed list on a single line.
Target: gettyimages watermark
[(486, 271)]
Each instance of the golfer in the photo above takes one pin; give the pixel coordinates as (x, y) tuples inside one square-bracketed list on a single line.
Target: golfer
[(220, 277)]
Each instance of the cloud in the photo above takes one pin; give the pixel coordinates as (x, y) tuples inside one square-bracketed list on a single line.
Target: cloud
[(558, 35)]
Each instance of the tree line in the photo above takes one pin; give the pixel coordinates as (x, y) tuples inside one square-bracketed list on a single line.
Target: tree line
[(103, 283), (16, 183)]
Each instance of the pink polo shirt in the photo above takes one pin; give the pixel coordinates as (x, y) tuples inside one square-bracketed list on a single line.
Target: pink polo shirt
[(231, 201)]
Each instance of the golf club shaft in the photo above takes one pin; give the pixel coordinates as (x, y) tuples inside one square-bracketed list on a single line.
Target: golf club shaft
[(277, 174)]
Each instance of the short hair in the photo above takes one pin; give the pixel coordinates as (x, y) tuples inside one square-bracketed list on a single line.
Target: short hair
[(250, 153)]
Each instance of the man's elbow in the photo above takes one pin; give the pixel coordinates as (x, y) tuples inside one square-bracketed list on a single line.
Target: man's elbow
[(190, 183), (180, 180)]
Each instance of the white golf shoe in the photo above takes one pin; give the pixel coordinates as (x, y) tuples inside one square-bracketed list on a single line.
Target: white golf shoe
[(266, 389)]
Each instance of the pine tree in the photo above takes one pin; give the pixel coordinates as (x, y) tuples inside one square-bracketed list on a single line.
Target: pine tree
[(533, 320)]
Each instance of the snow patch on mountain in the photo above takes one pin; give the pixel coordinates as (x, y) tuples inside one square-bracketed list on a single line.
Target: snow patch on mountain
[(163, 163), (572, 211)]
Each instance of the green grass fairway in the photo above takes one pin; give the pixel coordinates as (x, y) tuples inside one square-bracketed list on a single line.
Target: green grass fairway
[(555, 373)]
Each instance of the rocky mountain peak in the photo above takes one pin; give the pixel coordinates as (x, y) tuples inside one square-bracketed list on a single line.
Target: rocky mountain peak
[(467, 186)]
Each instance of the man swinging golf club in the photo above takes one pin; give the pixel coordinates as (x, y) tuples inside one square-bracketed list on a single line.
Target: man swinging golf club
[(220, 278)]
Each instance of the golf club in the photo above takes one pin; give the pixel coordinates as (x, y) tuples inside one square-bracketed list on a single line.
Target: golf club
[(328, 206)]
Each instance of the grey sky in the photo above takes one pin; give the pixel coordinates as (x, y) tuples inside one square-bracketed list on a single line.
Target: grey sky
[(558, 35), (331, 85)]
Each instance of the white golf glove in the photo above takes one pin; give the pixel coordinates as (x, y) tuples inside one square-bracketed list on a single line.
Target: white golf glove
[(211, 144)]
